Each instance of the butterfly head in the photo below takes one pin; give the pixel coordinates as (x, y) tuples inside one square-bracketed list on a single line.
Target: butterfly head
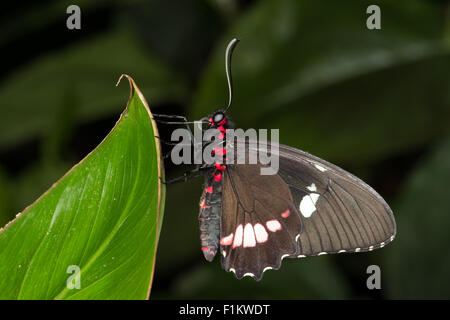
[(217, 119)]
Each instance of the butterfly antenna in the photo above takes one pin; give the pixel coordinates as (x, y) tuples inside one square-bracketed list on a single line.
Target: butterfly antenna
[(228, 54)]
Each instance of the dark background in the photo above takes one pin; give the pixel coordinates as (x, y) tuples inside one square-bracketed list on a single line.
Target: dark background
[(375, 102)]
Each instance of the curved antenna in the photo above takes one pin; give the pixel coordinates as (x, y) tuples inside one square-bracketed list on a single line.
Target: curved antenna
[(228, 54)]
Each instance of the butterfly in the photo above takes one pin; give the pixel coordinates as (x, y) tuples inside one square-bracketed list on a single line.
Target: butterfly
[(310, 207)]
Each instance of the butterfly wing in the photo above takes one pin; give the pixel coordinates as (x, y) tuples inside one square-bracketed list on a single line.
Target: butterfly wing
[(259, 221), (339, 212), (334, 211)]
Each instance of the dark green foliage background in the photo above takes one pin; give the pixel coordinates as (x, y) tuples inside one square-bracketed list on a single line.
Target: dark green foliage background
[(376, 103)]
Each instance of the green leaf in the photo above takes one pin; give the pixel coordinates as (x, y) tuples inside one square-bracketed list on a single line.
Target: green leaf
[(419, 260), (103, 216), (314, 70), (75, 81)]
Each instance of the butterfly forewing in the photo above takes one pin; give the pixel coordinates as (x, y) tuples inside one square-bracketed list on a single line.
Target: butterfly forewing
[(259, 223), (340, 212)]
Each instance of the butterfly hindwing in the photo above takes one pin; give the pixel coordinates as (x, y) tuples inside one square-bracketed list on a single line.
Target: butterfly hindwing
[(259, 223)]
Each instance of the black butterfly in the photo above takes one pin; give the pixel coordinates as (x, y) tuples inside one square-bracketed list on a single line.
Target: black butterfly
[(309, 208)]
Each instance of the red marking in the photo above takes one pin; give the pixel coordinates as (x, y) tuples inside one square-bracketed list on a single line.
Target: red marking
[(220, 166), (221, 136), (202, 204), (286, 214), (221, 123), (228, 240), (209, 189), (211, 120), (221, 129), (219, 151), (218, 177)]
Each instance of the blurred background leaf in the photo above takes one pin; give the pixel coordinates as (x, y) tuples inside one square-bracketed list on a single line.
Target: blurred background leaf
[(420, 271), (91, 66), (372, 101), (326, 83)]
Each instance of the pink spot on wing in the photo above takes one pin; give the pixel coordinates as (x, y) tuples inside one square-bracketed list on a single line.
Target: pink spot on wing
[(273, 225), (228, 240), (286, 214), (249, 236), (260, 233), (238, 236)]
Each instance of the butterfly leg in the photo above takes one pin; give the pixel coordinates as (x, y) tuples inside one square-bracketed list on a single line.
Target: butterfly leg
[(184, 121), (188, 175)]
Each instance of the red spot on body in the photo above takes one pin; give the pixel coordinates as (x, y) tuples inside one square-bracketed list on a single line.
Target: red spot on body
[(221, 136), (219, 151), (209, 189), (221, 123), (218, 177), (220, 166), (208, 253), (202, 204), (286, 213)]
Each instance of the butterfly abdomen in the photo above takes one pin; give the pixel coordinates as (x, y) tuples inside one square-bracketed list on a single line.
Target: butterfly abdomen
[(210, 215)]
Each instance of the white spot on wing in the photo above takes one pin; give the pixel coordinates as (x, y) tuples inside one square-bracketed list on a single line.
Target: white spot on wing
[(341, 251), (249, 236), (357, 249), (319, 167), (238, 236), (260, 233), (321, 253), (307, 205), (267, 268), (312, 187), (284, 256), (232, 270), (370, 248), (273, 225), (301, 256), (249, 274)]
